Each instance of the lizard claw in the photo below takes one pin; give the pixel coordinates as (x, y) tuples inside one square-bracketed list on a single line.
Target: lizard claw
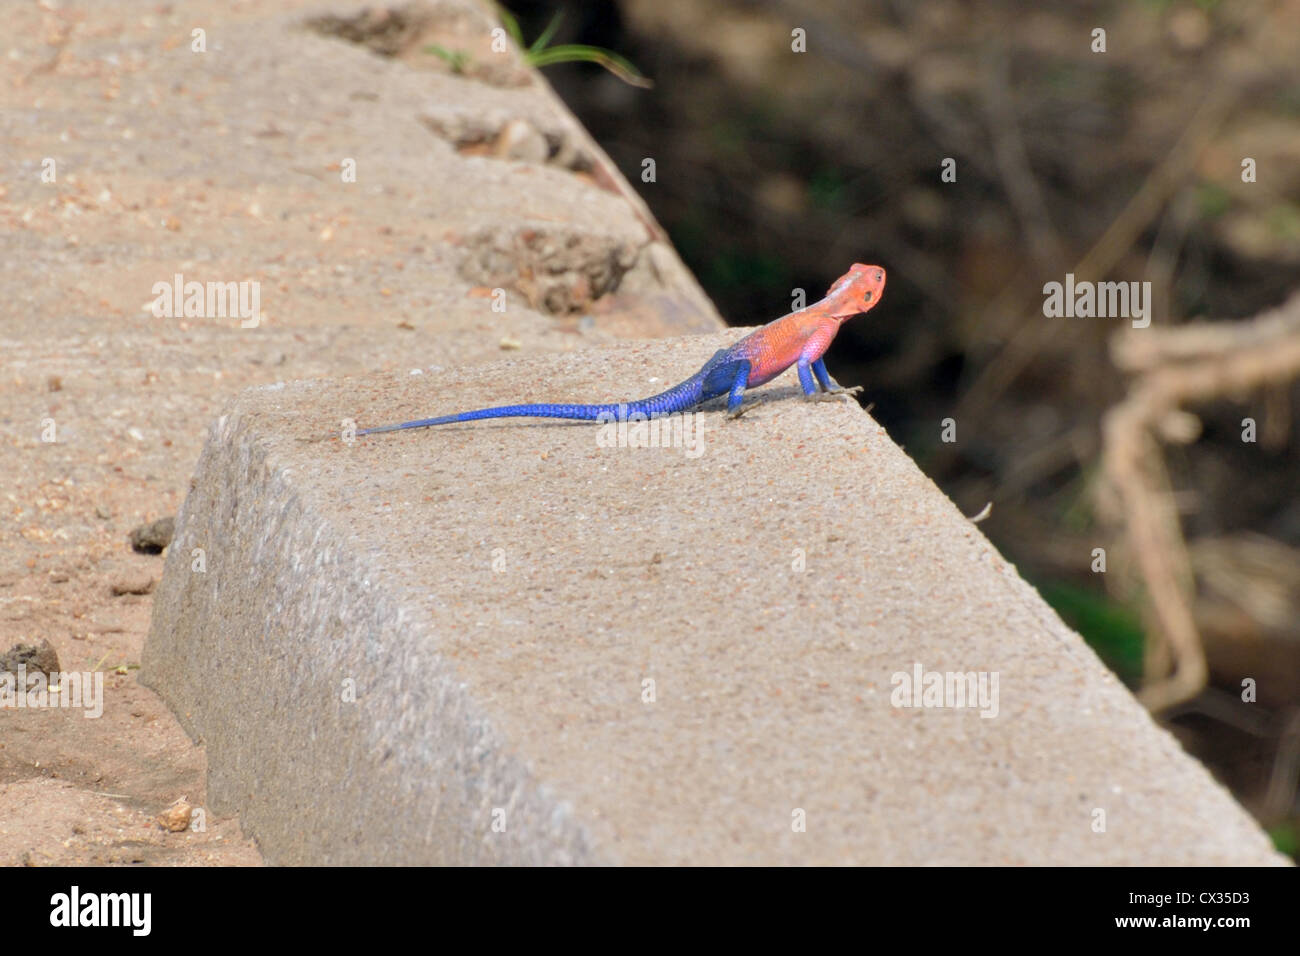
[(741, 408), (833, 394)]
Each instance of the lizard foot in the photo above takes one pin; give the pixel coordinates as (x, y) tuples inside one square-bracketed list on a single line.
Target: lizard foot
[(742, 408), (833, 394)]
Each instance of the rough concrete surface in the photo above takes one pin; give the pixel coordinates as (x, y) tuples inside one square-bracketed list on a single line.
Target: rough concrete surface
[(224, 166), (498, 594)]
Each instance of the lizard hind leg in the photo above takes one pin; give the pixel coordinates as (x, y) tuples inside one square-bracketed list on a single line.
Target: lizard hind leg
[(730, 378)]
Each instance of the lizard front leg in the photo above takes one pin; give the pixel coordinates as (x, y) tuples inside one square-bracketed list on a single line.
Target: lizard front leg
[(827, 383), (805, 376)]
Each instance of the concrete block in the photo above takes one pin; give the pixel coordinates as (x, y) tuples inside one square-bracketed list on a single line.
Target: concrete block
[(506, 643)]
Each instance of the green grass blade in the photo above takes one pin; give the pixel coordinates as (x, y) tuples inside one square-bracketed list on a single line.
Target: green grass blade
[(577, 52), (540, 43)]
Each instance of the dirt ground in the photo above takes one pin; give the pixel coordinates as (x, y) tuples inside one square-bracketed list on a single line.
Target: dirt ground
[(77, 790)]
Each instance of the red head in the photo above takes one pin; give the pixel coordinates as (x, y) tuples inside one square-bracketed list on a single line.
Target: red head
[(855, 292)]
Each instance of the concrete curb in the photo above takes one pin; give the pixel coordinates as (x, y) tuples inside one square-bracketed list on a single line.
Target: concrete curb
[(505, 643)]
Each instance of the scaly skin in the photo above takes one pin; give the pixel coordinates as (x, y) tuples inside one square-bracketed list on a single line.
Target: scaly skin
[(799, 339)]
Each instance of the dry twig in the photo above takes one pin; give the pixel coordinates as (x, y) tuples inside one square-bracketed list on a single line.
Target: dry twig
[(1180, 367)]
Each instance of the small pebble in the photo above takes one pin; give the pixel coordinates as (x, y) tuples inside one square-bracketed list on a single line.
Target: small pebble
[(153, 537)]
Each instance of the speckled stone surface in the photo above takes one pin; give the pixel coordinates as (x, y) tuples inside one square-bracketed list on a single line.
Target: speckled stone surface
[(507, 643)]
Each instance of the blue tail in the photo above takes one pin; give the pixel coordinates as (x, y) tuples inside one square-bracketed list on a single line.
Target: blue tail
[(679, 398)]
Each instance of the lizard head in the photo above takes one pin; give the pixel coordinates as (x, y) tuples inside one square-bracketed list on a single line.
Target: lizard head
[(855, 292)]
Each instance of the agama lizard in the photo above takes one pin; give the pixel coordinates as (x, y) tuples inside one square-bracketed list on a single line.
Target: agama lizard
[(799, 339)]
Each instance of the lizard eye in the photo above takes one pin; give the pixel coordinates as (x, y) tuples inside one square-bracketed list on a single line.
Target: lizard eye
[(868, 296)]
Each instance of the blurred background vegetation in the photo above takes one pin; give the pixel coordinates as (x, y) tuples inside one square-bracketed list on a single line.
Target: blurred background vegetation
[(775, 170)]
